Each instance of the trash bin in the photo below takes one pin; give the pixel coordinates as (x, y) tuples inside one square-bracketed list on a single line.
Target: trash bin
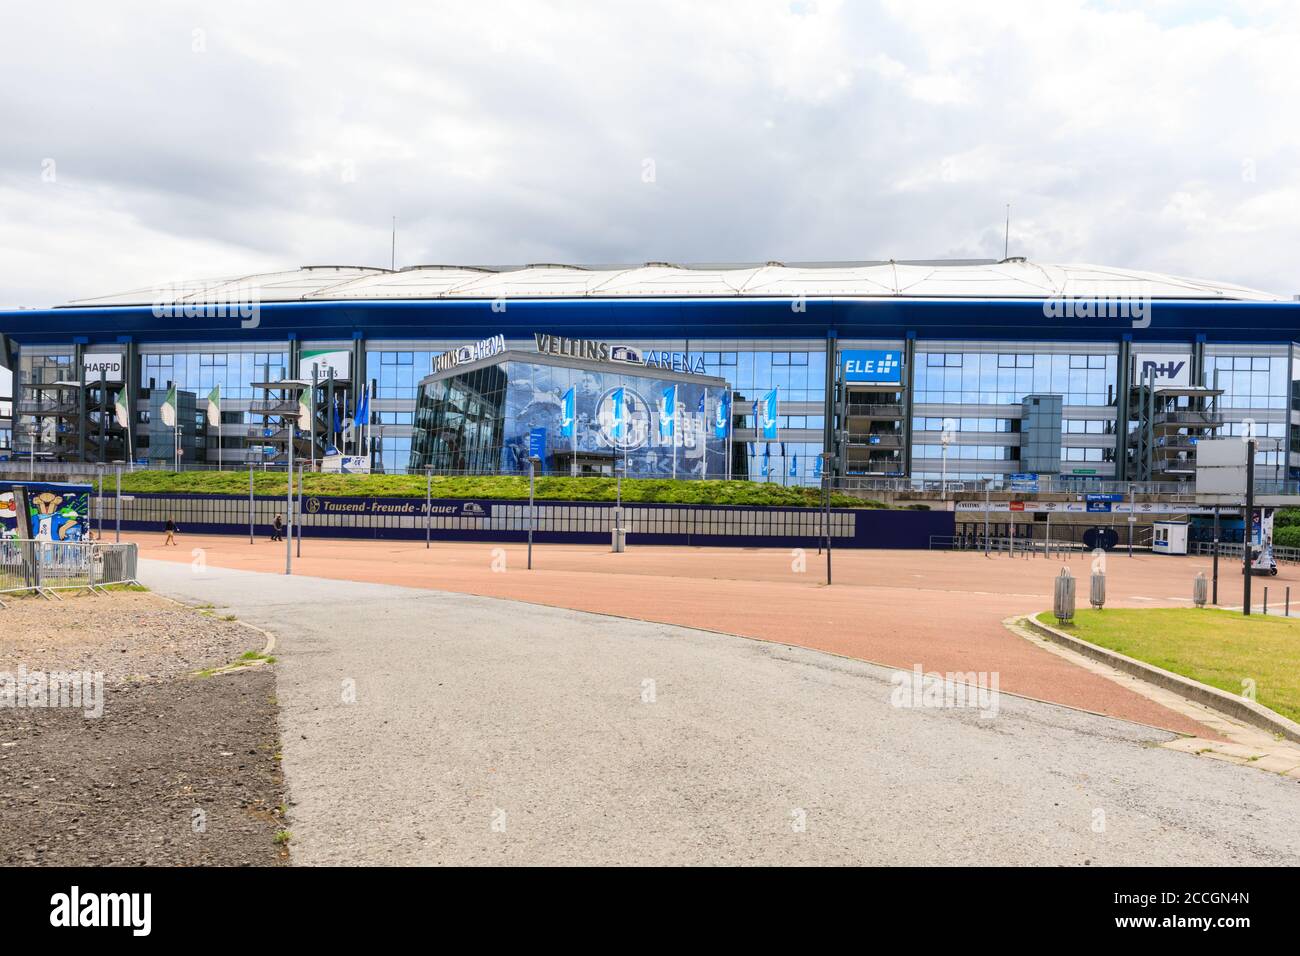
[(618, 540)]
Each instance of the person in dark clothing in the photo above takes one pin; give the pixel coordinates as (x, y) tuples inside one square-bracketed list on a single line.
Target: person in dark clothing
[(277, 529), (170, 529)]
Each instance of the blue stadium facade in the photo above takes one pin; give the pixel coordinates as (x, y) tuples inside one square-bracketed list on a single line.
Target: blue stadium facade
[(893, 367)]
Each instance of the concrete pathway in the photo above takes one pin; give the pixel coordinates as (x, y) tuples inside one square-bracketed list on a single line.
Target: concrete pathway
[(421, 727)]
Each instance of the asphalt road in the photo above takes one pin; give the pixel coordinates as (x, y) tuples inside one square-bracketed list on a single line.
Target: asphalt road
[(421, 727)]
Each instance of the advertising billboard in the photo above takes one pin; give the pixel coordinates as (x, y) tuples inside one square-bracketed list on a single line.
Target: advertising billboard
[(1166, 368), (872, 366)]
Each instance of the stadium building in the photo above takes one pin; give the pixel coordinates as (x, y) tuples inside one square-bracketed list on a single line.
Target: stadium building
[(969, 369)]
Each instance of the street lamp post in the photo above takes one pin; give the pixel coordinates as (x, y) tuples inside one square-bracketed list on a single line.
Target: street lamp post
[(1249, 525), (945, 439), (533, 462), (1132, 516), (828, 463), (288, 484)]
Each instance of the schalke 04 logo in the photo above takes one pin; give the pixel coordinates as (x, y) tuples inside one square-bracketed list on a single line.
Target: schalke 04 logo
[(636, 419)]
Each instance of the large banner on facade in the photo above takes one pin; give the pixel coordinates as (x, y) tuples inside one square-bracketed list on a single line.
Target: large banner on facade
[(613, 415)]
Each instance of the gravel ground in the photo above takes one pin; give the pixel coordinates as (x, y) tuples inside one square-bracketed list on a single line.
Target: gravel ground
[(179, 769), (132, 635), (429, 728)]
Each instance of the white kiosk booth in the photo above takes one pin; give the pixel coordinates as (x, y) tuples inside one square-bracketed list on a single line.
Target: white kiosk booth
[(1169, 537)]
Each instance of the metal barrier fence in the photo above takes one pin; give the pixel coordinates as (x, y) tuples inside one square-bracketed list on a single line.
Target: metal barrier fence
[(45, 567), (574, 522), (1014, 547), (1233, 550)]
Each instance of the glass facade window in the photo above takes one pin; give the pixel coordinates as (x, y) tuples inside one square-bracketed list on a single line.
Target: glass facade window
[(1250, 381), (42, 368), (965, 424), (785, 463), (1004, 378), (199, 372), (397, 372), (800, 375)]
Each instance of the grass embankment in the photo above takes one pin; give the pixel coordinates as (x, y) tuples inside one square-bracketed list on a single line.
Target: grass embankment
[(749, 493), (1219, 648)]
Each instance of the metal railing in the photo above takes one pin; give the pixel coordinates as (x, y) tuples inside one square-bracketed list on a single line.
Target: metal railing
[(876, 439), (1231, 549), (1047, 484), (878, 410), (22, 469), (1023, 546), (46, 567), (1189, 417)]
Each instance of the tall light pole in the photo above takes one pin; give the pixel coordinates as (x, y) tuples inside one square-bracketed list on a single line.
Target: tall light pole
[(1249, 525), (533, 462), (828, 462), (987, 484), (945, 439), (1132, 516), (288, 484)]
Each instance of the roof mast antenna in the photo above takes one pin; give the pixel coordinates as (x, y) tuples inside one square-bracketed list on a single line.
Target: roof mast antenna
[(1006, 236), (392, 252)]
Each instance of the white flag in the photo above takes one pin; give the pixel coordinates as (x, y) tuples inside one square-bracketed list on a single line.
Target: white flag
[(169, 408), (214, 407)]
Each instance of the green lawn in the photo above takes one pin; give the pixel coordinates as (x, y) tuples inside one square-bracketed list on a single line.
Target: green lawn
[(1219, 648), (487, 486)]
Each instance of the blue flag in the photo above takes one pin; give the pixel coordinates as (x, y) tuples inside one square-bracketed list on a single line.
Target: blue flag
[(668, 414), (338, 421), (765, 418), (722, 416), (794, 466), (767, 460), (362, 415), (618, 424), (569, 415), (817, 467)]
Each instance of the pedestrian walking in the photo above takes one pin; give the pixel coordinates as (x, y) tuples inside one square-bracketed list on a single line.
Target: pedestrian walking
[(170, 529), (277, 529)]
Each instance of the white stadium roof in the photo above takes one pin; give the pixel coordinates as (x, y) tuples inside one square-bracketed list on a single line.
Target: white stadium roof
[(1009, 279)]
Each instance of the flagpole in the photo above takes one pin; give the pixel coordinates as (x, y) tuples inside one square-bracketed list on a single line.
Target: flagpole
[(220, 465), (674, 424), (313, 416), (704, 426), (731, 396)]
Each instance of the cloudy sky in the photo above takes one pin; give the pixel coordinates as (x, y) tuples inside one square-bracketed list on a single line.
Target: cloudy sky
[(148, 142)]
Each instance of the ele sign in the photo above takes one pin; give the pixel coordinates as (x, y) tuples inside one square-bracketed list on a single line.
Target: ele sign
[(872, 366)]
